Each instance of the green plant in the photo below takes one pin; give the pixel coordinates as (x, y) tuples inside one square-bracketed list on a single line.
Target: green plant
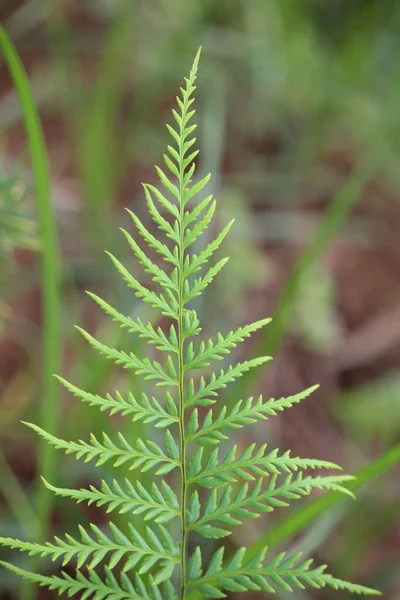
[(50, 280), (209, 502)]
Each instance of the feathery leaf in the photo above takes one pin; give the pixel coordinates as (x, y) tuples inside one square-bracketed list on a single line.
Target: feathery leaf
[(283, 572), (146, 455), (158, 505)]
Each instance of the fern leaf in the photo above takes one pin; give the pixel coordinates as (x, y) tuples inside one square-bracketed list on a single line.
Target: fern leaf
[(190, 193), (228, 510), (215, 350), (200, 284), (172, 189), (251, 463), (242, 413), (158, 338), (181, 212), (158, 275), (144, 409), (170, 231), (169, 307), (158, 505), (206, 392), (198, 229), (151, 370), (95, 587), (283, 572), (194, 262), (134, 550), (193, 214), (153, 242), (146, 456)]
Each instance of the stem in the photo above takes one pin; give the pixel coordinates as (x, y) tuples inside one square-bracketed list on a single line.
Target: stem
[(181, 375)]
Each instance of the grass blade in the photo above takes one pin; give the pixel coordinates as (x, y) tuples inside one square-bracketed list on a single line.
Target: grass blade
[(50, 276)]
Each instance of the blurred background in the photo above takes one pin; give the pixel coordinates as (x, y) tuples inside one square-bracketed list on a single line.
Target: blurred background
[(299, 123)]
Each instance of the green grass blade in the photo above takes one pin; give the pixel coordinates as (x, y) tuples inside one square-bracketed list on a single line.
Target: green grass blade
[(50, 275)]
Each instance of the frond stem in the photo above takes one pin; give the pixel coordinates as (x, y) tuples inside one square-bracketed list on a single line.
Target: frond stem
[(181, 371)]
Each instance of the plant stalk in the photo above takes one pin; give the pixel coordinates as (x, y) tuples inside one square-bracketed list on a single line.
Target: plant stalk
[(181, 375), (50, 283)]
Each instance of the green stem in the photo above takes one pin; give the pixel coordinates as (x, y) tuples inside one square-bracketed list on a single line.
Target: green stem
[(181, 375), (50, 276)]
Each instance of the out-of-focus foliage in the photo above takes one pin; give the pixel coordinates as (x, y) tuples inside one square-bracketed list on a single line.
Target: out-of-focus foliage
[(18, 228), (298, 105), (17, 225)]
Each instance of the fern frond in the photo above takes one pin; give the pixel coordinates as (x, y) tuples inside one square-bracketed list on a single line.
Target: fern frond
[(242, 413), (149, 369), (158, 275), (194, 262), (96, 587), (242, 574), (198, 229), (144, 409), (158, 505), (171, 188), (161, 248), (215, 350), (169, 307), (156, 337), (146, 456), (251, 463), (171, 232), (193, 214), (228, 509), (199, 285), (188, 195), (158, 549), (182, 209), (207, 391)]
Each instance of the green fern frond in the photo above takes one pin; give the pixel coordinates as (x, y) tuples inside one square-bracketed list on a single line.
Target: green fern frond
[(205, 392), (145, 409), (158, 549), (199, 285), (194, 262), (210, 432), (158, 275), (156, 337), (161, 248), (96, 587), (215, 350), (253, 462), (146, 455), (150, 370), (169, 307), (158, 505), (170, 231), (153, 563), (228, 510), (198, 229), (242, 574)]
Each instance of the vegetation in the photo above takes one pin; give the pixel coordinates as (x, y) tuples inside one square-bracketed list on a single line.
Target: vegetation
[(209, 502), (297, 116)]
